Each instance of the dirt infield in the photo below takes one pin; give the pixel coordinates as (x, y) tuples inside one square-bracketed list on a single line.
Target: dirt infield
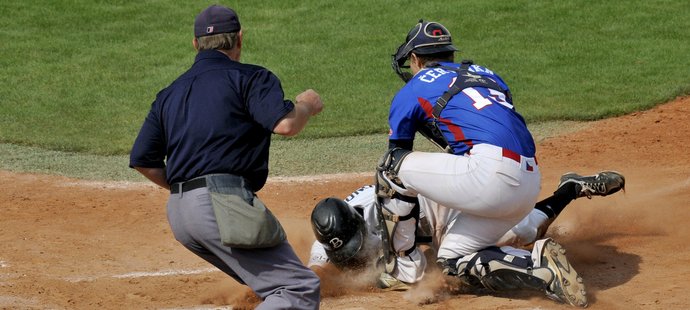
[(69, 244)]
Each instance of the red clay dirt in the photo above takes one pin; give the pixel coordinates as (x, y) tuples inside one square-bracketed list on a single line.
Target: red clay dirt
[(71, 244)]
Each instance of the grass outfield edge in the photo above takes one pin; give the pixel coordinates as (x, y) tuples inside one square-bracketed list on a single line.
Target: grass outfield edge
[(289, 162)]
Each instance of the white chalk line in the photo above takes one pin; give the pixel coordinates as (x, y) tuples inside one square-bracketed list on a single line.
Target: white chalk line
[(271, 180), (31, 302), (163, 273), (318, 177), (144, 274)]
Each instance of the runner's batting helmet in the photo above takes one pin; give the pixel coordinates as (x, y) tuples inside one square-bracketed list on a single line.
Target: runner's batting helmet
[(341, 231)]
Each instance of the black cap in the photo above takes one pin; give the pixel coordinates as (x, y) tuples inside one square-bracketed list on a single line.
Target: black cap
[(214, 20)]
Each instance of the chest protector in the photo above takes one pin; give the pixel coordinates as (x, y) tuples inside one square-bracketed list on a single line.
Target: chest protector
[(465, 79)]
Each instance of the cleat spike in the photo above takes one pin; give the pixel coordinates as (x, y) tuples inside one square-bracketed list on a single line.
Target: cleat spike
[(567, 286)]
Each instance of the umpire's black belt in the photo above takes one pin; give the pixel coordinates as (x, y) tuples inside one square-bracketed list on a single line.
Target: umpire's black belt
[(226, 179), (188, 186)]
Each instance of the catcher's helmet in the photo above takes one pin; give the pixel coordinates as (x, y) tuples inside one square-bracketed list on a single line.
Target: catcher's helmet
[(424, 38), (341, 231)]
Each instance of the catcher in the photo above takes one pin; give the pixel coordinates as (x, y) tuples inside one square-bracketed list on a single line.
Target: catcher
[(349, 235)]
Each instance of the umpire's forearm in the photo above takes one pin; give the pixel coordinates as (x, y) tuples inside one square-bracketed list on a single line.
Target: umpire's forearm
[(307, 104), (156, 175), (293, 122)]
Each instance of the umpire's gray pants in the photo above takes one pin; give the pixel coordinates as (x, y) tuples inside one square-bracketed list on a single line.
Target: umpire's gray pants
[(275, 274)]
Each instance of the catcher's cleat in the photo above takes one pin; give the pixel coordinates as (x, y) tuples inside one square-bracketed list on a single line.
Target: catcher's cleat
[(389, 283), (566, 286), (601, 184)]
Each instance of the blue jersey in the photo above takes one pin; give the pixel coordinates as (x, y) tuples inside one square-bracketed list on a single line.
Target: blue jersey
[(474, 116)]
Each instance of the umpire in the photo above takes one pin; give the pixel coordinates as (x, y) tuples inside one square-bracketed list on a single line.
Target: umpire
[(206, 138)]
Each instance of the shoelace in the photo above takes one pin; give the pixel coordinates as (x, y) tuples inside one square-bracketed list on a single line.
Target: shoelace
[(591, 187)]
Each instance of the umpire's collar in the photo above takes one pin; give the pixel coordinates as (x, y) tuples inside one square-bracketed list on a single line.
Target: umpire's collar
[(210, 54)]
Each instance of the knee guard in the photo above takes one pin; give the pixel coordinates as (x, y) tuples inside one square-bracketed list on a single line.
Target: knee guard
[(496, 270), (387, 182), (388, 220)]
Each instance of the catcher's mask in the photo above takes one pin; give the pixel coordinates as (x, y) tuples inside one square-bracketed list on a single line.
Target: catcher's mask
[(424, 38), (341, 231)]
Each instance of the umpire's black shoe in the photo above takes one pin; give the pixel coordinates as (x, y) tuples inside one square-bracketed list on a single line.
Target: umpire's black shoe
[(601, 184)]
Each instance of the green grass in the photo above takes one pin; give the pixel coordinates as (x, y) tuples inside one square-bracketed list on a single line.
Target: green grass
[(79, 76), (288, 157)]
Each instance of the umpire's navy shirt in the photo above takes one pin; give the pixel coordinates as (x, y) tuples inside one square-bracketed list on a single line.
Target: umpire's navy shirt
[(217, 117)]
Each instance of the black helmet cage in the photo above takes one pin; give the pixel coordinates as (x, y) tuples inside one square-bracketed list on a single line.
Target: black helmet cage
[(403, 53)]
